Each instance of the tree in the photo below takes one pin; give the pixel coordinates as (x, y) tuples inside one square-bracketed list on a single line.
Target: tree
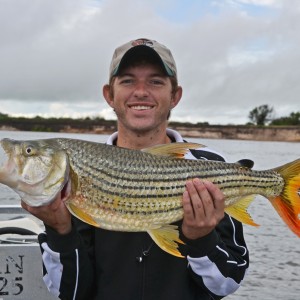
[(3, 116), (261, 114), (292, 119)]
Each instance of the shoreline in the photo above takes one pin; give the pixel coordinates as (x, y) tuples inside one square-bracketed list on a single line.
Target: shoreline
[(274, 133)]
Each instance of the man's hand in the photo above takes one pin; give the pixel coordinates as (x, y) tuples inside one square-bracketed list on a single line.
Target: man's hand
[(203, 206), (55, 215)]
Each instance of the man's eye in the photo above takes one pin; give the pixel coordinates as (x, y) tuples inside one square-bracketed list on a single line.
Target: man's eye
[(126, 81), (156, 82)]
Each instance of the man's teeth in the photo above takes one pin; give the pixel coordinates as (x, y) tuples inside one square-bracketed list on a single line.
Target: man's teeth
[(141, 107)]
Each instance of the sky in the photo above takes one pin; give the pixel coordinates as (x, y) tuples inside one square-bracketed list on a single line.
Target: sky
[(231, 55)]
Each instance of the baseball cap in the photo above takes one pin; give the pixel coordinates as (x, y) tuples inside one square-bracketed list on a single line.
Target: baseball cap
[(145, 47)]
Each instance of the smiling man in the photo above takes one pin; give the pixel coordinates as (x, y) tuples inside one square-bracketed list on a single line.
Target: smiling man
[(84, 262), (142, 93)]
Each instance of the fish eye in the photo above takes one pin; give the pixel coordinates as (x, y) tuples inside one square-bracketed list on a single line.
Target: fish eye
[(29, 150)]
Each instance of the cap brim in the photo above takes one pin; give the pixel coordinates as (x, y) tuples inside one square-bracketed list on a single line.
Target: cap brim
[(141, 52)]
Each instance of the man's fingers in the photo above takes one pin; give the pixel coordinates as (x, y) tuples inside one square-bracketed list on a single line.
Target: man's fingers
[(205, 198), (216, 194), (202, 200), (187, 206), (203, 205), (196, 192)]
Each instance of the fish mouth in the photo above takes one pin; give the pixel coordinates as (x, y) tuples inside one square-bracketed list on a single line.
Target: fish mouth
[(5, 164), (66, 190), (3, 156)]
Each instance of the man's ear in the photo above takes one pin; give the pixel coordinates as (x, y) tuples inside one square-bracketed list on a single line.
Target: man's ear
[(176, 97), (108, 95)]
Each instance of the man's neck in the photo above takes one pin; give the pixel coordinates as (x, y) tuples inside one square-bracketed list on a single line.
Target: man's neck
[(135, 140)]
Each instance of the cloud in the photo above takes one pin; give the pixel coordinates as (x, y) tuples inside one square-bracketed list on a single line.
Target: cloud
[(55, 56), (260, 2)]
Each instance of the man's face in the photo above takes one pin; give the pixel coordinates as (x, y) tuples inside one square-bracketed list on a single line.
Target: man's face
[(142, 98)]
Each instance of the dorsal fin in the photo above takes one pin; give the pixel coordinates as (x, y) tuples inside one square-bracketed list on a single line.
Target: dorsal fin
[(174, 150), (246, 163)]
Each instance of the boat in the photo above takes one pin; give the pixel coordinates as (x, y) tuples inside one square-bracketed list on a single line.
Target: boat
[(21, 269)]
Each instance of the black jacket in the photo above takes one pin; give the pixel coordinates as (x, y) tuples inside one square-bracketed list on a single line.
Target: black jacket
[(91, 263)]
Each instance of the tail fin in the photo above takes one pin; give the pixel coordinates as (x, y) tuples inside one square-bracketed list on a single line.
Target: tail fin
[(287, 204)]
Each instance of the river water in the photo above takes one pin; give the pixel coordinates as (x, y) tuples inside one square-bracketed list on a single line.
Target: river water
[(274, 271)]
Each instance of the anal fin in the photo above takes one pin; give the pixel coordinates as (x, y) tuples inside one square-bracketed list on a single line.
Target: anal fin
[(167, 238), (239, 210)]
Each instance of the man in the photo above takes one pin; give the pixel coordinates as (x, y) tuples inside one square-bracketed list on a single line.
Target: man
[(83, 262)]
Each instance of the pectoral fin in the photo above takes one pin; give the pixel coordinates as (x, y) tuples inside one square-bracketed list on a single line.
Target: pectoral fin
[(81, 215), (239, 210), (167, 238)]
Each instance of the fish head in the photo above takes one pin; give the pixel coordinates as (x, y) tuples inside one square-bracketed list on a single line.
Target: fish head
[(37, 170)]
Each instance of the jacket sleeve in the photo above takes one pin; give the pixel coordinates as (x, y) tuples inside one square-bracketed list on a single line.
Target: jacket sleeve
[(67, 264), (218, 262)]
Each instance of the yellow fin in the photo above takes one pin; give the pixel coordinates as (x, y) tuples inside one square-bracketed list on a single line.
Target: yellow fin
[(174, 150), (239, 210), (166, 238), (80, 214)]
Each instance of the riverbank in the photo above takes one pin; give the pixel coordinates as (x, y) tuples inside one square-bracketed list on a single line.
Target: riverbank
[(274, 133)]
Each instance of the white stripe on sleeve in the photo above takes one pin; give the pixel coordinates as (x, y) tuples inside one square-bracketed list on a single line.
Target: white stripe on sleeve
[(212, 277), (54, 269)]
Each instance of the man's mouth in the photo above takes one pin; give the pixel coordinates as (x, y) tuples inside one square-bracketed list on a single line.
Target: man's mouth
[(141, 107)]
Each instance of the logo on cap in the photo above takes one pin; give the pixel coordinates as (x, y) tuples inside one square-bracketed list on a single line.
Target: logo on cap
[(144, 42)]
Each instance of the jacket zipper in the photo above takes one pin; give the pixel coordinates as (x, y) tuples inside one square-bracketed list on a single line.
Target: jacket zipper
[(143, 260)]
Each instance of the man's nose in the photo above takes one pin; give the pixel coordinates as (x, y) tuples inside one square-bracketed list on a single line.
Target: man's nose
[(141, 90)]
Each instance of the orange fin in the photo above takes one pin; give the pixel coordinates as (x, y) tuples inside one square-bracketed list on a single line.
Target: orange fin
[(167, 238), (287, 204), (173, 150), (81, 215), (239, 210)]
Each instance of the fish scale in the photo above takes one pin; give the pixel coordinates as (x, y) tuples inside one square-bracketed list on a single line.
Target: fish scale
[(130, 190)]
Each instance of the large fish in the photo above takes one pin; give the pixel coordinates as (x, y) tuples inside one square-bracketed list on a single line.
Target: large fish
[(130, 190)]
